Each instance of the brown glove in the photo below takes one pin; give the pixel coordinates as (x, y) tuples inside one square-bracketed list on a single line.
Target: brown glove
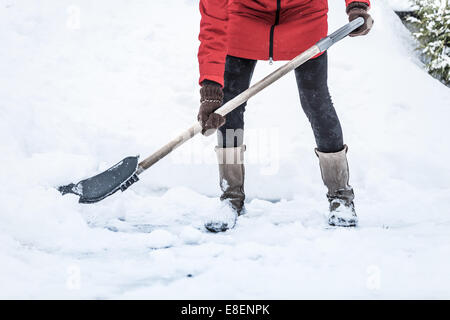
[(211, 99), (360, 9)]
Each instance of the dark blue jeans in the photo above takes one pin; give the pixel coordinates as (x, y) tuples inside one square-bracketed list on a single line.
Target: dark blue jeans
[(315, 99)]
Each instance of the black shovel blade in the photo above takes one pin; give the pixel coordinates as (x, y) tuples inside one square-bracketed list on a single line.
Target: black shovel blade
[(118, 177)]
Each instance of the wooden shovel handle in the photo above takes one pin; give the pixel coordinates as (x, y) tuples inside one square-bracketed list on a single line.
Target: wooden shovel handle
[(228, 107), (196, 128)]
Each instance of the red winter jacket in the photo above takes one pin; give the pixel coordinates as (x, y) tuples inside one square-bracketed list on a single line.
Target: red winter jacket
[(259, 30)]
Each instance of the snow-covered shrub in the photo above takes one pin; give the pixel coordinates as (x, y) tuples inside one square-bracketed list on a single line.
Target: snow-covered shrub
[(432, 20)]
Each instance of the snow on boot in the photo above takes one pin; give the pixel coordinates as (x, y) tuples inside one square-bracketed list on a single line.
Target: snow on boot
[(335, 176), (231, 174), (223, 218), (342, 210)]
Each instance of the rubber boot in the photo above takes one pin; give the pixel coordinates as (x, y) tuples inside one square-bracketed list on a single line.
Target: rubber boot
[(335, 176), (231, 175)]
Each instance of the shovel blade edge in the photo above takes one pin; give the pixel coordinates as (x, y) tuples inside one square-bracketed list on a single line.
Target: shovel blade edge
[(94, 189)]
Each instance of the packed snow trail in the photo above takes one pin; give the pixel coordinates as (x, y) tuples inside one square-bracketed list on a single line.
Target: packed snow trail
[(84, 84)]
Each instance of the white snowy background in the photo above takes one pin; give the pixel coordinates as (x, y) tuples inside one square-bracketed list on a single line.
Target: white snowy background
[(403, 5), (85, 83)]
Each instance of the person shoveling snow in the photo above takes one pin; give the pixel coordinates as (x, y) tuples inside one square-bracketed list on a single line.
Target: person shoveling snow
[(226, 66), (233, 37)]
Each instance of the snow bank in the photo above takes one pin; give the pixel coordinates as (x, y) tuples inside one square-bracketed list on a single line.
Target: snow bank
[(85, 83), (401, 5)]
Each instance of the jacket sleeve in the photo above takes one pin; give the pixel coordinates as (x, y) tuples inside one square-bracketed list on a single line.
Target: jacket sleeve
[(213, 39), (347, 2)]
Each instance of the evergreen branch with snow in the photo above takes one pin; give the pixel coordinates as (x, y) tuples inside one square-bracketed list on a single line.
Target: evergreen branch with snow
[(432, 20)]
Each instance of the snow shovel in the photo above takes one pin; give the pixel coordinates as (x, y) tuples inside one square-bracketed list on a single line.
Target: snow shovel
[(126, 172)]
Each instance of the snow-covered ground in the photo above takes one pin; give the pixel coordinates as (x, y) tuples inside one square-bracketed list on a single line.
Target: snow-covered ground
[(85, 83)]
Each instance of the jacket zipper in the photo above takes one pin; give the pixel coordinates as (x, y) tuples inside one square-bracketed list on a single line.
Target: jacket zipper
[(272, 29)]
